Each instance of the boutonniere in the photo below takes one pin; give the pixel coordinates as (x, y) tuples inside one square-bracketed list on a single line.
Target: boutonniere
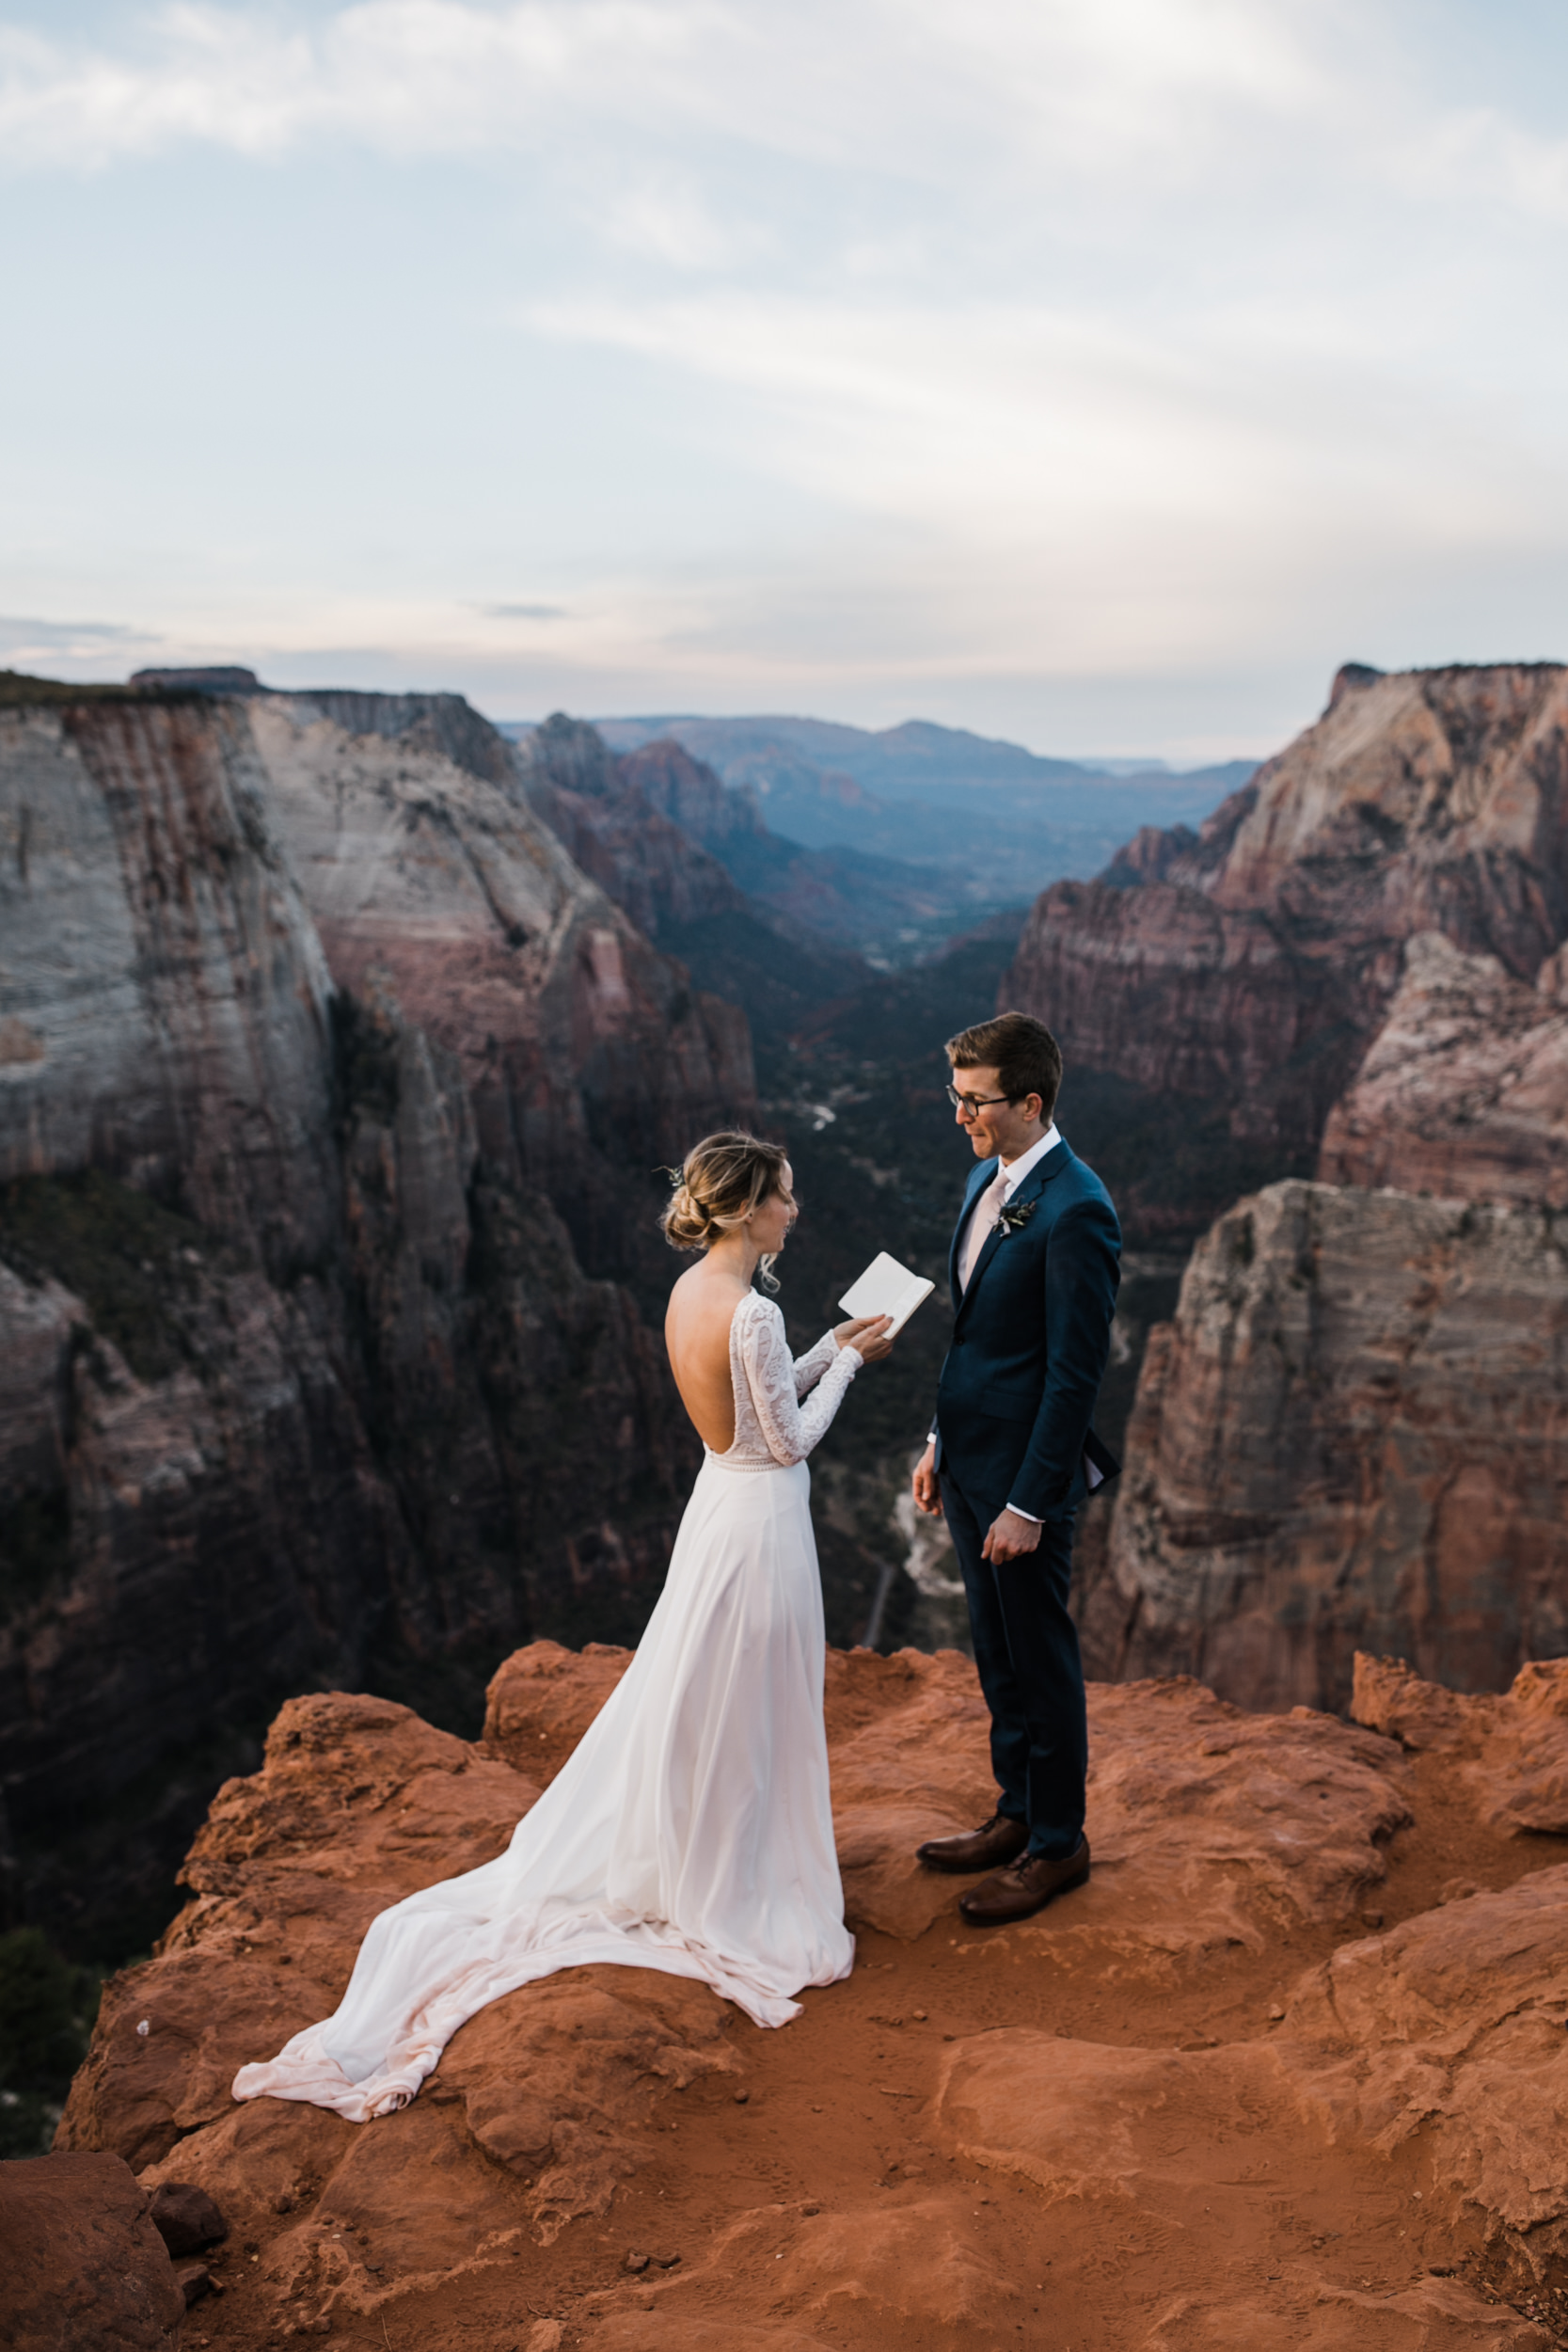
[(1016, 1216)]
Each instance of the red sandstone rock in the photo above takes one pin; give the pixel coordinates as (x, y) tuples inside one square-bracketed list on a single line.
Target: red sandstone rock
[(1464, 1090), (1347, 1437), (1177, 2111), (82, 2268), (697, 870), (692, 795), (186, 2219), (1512, 1751), (1252, 967), (543, 1699), (1164, 986), (637, 824), (353, 1395), (446, 883), (1240, 1799)]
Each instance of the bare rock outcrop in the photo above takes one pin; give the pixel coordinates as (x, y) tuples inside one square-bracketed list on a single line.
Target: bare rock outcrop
[(1349, 1438), (1250, 965), (1268, 2080), (692, 795), (694, 867), (1509, 1749), (164, 1010), (1464, 1090), (302, 1376), (84, 2265), (581, 1049), (633, 840), (906, 1737)]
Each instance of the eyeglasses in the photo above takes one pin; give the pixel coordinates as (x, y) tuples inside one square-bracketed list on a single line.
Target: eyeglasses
[(973, 1103)]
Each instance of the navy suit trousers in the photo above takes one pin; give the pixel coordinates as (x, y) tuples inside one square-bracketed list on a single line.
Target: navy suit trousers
[(1026, 1651)]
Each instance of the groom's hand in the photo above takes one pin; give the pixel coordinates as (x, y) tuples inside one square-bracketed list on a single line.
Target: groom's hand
[(1009, 1537), (927, 1487)]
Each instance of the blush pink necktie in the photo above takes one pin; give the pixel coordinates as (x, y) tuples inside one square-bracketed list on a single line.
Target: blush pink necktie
[(981, 1225)]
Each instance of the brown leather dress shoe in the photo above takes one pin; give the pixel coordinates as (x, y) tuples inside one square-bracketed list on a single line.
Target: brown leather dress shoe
[(984, 1849), (1018, 1893)]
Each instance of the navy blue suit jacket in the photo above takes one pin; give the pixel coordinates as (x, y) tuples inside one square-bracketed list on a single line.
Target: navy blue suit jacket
[(1030, 1339)]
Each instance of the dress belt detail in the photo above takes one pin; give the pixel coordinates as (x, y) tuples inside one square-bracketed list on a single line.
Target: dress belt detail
[(722, 1461)]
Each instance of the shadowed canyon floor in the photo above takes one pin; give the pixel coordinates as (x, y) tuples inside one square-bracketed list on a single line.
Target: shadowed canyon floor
[(1287, 2073)]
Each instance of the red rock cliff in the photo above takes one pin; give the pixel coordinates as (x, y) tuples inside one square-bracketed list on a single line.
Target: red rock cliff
[(1349, 1438), (1287, 2071), (301, 1374), (622, 820), (583, 1051), (1464, 1092), (1251, 965)]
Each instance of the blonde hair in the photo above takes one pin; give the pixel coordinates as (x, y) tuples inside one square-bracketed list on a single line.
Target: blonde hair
[(720, 1182)]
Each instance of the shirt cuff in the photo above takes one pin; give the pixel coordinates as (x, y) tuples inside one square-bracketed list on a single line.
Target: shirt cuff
[(1019, 1513)]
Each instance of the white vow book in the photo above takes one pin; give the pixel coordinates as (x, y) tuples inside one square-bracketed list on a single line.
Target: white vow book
[(887, 1288)]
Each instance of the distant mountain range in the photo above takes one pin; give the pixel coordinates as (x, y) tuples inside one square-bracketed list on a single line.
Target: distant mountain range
[(981, 823)]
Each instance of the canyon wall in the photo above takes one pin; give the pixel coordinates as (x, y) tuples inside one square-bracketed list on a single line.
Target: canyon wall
[(302, 1028), (1464, 1092), (165, 996), (589, 1058), (1351, 1436), (1249, 965), (1353, 968), (637, 849), (685, 858)]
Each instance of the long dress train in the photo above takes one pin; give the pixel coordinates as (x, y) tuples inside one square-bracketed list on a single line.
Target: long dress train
[(690, 1830)]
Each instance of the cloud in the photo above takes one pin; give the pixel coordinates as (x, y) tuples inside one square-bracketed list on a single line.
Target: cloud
[(23, 640), (1050, 485), (854, 341), (67, 632), (911, 83), (665, 218), (411, 77)]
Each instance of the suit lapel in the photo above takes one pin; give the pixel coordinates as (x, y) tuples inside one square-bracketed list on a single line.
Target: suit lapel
[(1033, 1186)]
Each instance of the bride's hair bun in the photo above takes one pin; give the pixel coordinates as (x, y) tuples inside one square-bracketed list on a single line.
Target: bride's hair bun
[(685, 1222), (721, 1180)]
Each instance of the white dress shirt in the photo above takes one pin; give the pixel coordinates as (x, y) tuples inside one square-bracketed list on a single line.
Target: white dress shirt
[(1016, 1169)]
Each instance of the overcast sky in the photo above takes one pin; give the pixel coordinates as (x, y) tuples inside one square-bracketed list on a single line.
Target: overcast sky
[(1097, 372)]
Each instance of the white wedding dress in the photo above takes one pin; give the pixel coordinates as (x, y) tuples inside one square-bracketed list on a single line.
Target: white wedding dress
[(691, 1828)]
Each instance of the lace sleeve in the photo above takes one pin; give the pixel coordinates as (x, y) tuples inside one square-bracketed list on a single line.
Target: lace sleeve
[(809, 1367), (789, 1428)]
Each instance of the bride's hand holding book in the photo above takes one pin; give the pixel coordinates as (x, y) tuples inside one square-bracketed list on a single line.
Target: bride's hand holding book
[(870, 1336)]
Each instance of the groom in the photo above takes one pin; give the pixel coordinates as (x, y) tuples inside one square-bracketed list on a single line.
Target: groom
[(1034, 1266)]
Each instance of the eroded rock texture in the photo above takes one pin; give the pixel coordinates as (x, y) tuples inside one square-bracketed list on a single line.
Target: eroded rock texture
[(1464, 1090), (1285, 2072), (323, 1073), (166, 998), (693, 866), (633, 824), (1351, 1436), (583, 1052), (85, 2266), (1509, 1749), (1250, 965)]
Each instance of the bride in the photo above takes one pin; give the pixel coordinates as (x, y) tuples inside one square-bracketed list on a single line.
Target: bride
[(690, 1830)]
